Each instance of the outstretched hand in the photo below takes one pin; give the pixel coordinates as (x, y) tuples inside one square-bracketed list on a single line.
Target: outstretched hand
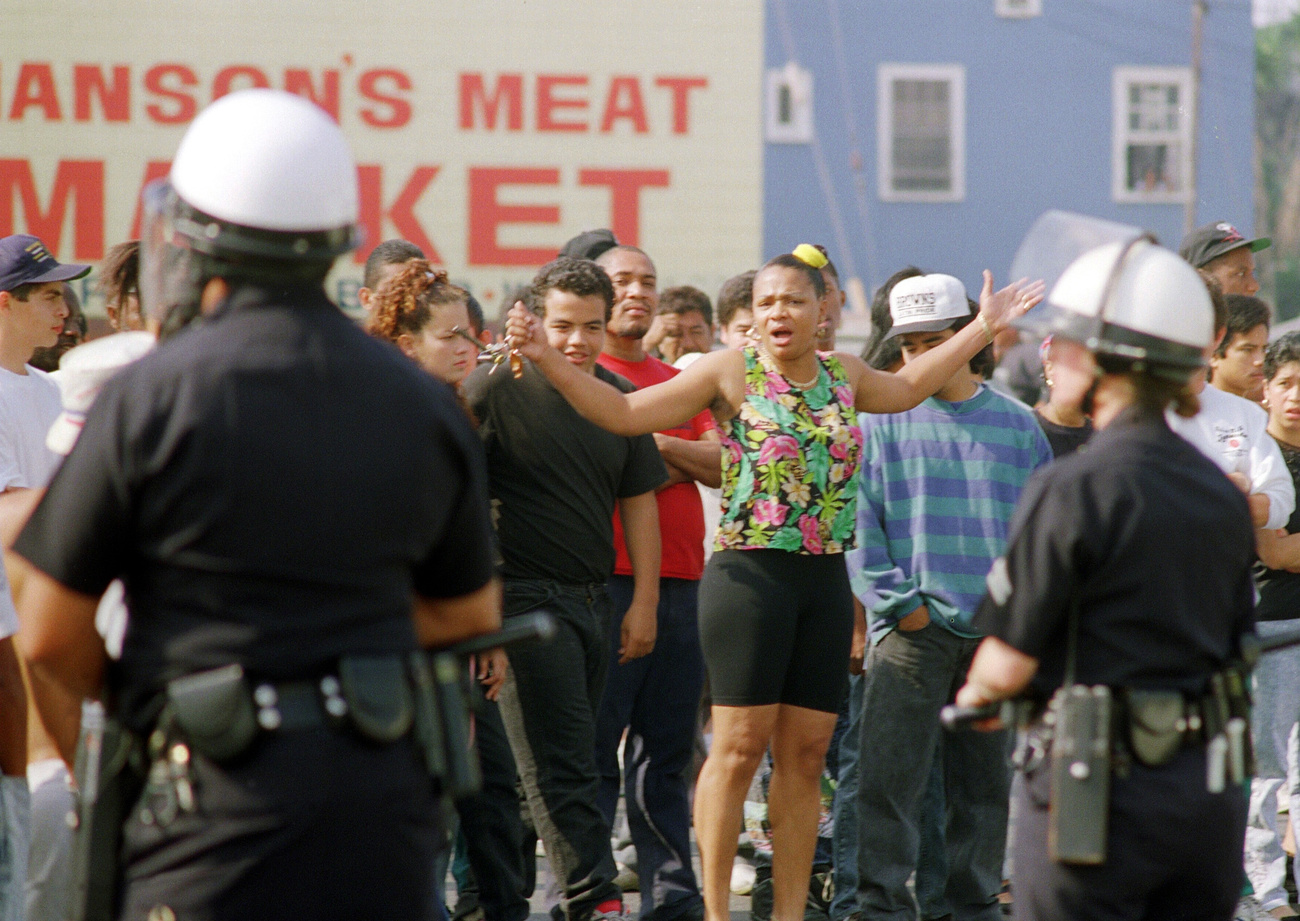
[(1001, 307), (524, 332)]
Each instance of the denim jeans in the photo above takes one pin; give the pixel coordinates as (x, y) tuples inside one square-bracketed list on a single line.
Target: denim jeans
[(656, 698), (1273, 731), (490, 823), (844, 840), (548, 704), (16, 806), (932, 854), (909, 677)]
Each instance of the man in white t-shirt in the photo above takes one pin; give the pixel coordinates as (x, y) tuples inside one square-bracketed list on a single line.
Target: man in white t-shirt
[(1232, 432), (32, 311)]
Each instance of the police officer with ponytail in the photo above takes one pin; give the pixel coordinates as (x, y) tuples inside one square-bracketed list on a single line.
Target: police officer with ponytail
[(1119, 611), (294, 509)]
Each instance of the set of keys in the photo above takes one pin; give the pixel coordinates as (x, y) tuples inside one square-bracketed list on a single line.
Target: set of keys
[(168, 790), (497, 353)]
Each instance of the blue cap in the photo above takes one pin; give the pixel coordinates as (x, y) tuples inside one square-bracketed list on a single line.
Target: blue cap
[(24, 260)]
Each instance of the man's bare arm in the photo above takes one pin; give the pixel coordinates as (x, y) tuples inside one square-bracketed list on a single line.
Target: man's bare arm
[(700, 460), (444, 621), (64, 654)]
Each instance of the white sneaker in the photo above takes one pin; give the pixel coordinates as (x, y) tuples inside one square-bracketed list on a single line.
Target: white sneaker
[(1248, 910), (742, 877), (627, 879)]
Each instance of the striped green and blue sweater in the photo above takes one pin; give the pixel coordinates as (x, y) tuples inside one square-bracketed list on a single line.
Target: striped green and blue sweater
[(937, 489)]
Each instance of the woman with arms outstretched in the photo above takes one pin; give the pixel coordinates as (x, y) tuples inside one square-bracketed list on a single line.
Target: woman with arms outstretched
[(775, 605)]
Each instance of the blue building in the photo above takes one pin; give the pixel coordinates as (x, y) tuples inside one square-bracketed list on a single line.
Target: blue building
[(934, 132)]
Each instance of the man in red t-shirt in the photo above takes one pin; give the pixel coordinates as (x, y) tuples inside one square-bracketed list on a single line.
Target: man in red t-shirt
[(656, 697)]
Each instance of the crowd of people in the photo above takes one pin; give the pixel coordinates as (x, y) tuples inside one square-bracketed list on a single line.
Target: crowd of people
[(790, 556)]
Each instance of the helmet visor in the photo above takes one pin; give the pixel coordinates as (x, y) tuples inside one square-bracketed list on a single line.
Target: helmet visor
[(154, 237)]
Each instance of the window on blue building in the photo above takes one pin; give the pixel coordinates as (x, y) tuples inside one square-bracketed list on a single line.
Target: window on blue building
[(789, 105), (920, 131), (1152, 144)]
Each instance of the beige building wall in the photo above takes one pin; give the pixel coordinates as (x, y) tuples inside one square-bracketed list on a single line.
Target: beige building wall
[(487, 131)]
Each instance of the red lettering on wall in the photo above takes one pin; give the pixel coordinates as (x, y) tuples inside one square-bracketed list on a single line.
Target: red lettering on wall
[(165, 80), (625, 187), (509, 91), (298, 80), (370, 181), (681, 87), (487, 214), (247, 77), (399, 109), (114, 100), (624, 101), (547, 103), (154, 169), (80, 182), (35, 87)]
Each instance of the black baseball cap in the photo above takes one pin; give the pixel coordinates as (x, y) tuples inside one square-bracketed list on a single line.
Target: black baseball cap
[(1205, 244), (590, 244), (24, 260)]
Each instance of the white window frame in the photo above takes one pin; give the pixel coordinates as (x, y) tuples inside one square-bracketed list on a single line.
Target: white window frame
[(1121, 135), (1018, 9), (798, 82), (955, 76)]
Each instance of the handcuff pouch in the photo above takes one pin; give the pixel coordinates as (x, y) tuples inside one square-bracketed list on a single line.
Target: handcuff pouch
[(378, 696), (214, 709), (1157, 723)]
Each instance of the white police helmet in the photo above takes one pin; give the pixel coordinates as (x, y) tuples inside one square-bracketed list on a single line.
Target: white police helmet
[(263, 181), (1134, 301)]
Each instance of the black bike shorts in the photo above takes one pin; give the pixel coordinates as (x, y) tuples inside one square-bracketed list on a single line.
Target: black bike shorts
[(775, 628)]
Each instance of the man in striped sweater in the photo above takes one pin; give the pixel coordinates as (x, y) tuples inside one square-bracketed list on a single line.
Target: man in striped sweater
[(938, 487)]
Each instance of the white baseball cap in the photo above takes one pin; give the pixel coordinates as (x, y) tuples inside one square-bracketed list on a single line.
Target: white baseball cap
[(82, 373), (926, 304)]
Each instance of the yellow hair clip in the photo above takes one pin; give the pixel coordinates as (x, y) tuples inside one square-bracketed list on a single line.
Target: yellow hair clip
[(809, 254)]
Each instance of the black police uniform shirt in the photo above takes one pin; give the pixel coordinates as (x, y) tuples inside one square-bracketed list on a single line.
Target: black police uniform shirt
[(1279, 590), (272, 485), (1153, 542), (554, 477)]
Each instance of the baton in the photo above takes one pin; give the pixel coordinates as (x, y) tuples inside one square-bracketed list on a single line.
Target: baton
[(518, 629), (954, 718)]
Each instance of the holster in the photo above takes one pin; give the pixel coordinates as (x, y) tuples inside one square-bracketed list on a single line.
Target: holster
[(108, 784), (1080, 774), (1157, 724), (463, 774)]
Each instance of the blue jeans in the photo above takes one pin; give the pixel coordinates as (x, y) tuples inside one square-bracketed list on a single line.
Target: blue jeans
[(656, 699), (490, 823), (909, 677), (844, 841), (1274, 723), (548, 704)]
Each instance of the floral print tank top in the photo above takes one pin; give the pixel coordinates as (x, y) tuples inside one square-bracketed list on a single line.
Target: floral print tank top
[(790, 462)]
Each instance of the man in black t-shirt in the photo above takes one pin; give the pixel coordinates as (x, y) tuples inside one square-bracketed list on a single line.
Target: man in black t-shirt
[(555, 479)]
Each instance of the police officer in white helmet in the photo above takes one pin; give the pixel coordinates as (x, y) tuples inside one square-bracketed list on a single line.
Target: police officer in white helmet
[(1118, 617), (294, 509)]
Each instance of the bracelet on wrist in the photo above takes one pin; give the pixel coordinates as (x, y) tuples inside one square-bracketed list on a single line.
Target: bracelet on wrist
[(984, 325)]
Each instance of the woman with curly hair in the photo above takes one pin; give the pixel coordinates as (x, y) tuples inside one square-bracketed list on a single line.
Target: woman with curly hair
[(426, 317)]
